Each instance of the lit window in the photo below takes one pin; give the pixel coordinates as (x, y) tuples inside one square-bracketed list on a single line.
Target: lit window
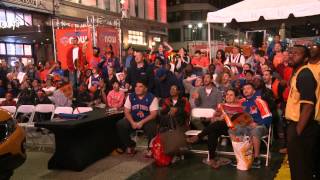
[(27, 50), (2, 48), (19, 49), (3, 15), (11, 49), (11, 17), (136, 37), (28, 19), (19, 19)]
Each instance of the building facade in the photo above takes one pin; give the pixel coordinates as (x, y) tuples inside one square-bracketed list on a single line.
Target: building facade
[(26, 25), (187, 22)]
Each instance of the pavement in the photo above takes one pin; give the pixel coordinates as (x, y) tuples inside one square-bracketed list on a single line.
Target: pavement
[(118, 167)]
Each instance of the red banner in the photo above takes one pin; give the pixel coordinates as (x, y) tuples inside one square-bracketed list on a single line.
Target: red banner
[(108, 36), (63, 43)]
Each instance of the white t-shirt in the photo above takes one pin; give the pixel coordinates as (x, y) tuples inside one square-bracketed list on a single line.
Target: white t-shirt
[(208, 91), (75, 53), (154, 106), (174, 102)]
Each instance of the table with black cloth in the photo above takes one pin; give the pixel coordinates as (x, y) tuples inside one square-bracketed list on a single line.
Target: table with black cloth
[(80, 143)]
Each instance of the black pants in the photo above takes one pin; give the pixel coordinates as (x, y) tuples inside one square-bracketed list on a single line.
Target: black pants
[(214, 131), (302, 151), (124, 130)]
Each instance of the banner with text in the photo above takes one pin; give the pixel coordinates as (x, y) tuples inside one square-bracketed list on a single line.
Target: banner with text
[(64, 43), (107, 35)]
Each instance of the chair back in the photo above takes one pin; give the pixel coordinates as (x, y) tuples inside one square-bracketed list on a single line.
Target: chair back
[(202, 113), (11, 109), (2, 99), (65, 110), (45, 108)]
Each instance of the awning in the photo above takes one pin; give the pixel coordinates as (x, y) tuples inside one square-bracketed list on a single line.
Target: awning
[(252, 10)]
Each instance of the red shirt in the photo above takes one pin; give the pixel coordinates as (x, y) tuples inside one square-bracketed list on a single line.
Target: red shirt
[(43, 74), (201, 61)]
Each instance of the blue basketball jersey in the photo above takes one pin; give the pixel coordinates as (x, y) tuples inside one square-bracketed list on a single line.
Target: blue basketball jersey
[(140, 108)]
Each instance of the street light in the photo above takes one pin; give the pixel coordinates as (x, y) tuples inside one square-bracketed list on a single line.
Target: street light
[(189, 26), (200, 25)]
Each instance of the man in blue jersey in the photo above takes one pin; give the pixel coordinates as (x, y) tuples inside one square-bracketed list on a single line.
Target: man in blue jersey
[(140, 109)]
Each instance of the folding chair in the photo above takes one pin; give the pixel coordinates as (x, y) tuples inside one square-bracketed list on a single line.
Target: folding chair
[(267, 140), (2, 99), (26, 109), (79, 110), (11, 109), (65, 110), (45, 108), (199, 113)]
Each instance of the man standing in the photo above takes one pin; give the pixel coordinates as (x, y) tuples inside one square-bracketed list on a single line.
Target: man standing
[(314, 64), (74, 58), (277, 57), (302, 111), (140, 109), (129, 58), (262, 118), (140, 70)]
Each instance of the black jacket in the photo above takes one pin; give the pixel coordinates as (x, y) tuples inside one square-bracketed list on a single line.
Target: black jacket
[(145, 73)]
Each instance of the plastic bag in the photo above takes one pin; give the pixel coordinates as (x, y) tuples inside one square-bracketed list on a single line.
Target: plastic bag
[(157, 149), (243, 150)]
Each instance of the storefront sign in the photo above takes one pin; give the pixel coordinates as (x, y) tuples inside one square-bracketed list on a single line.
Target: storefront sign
[(63, 43), (35, 3), (108, 36), (11, 24)]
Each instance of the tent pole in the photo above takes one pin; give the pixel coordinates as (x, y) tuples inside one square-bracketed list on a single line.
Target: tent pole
[(54, 40), (209, 42)]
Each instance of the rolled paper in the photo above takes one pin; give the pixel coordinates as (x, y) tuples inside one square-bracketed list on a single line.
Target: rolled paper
[(226, 117)]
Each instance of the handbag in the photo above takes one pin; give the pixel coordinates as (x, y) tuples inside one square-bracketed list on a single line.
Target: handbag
[(173, 139)]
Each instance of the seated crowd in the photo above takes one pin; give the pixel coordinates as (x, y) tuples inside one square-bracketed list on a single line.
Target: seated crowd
[(159, 85)]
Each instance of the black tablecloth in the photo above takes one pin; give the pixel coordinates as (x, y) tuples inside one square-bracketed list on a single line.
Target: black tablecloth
[(80, 143)]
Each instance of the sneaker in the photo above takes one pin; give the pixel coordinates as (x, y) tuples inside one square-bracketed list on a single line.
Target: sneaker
[(256, 163)]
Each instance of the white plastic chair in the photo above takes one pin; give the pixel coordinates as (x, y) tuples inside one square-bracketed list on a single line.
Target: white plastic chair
[(267, 140), (45, 108), (2, 99), (199, 113), (26, 109), (79, 110), (11, 109)]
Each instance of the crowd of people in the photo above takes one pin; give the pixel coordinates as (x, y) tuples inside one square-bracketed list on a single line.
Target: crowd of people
[(154, 85)]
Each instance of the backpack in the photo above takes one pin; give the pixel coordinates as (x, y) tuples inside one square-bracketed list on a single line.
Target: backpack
[(159, 156)]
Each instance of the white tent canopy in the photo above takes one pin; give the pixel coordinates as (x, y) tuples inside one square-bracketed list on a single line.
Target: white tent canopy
[(252, 10)]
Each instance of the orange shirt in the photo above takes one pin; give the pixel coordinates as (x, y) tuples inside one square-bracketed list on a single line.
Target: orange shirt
[(277, 59), (201, 61), (43, 74)]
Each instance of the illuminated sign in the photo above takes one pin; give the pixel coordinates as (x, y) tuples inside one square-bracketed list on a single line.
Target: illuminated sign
[(10, 24)]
